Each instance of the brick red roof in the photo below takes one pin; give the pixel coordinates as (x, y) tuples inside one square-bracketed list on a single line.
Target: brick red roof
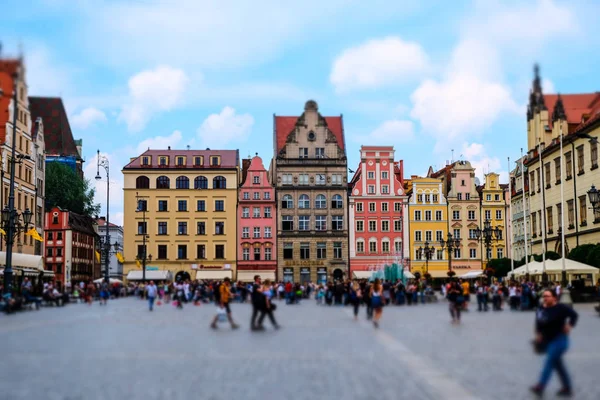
[(10, 66), (577, 106), (57, 130), (285, 125), (229, 158)]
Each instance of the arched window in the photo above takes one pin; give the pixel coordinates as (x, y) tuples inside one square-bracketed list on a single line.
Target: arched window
[(337, 202), (287, 201), (163, 182), (142, 182), (321, 201), (200, 182), (304, 201), (182, 182), (219, 182)]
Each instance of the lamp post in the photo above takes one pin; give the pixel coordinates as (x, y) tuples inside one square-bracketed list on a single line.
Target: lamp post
[(103, 162), (11, 217), (426, 251), (450, 245), (141, 207), (109, 249), (486, 235)]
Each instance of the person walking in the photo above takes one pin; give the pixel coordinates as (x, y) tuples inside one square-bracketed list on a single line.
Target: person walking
[(268, 306), (151, 292), (355, 298), (552, 337), (376, 295), (224, 300), (179, 294), (455, 300), (258, 304)]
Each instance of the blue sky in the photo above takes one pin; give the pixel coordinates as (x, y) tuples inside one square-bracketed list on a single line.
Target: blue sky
[(426, 78)]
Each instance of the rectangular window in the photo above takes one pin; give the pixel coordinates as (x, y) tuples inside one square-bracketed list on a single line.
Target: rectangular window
[(532, 180), (256, 212), (337, 223), (439, 235), (219, 251), (497, 197), (438, 215), (215, 161), (163, 205), (550, 226), (359, 207), (267, 196), (59, 236), (267, 212), (197, 161), (488, 214), (428, 215), (267, 232), (488, 197), (428, 236), (456, 253), (371, 207), (372, 226), (455, 215), (417, 215), (219, 205), (286, 179), (142, 206), (182, 228), (397, 226), (385, 226), (534, 224), (256, 232), (370, 175), (557, 169), (162, 228), (373, 247), (142, 228), (219, 228), (268, 253), (472, 253), (288, 251), (303, 223), (472, 233), (498, 214), (571, 213), (568, 165), (182, 252), (435, 198), (384, 175), (179, 161), (304, 251), (245, 212), (397, 207), (547, 176), (141, 250), (321, 223), (385, 246), (49, 252), (162, 251), (246, 254), (385, 189), (201, 251), (371, 189), (201, 205), (257, 254), (181, 205), (471, 215), (456, 233), (582, 210), (580, 160), (145, 161), (419, 198), (246, 195), (201, 228), (287, 223), (467, 196), (594, 154), (360, 247), (320, 152), (303, 152), (398, 247), (499, 252), (50, 236), (360, 226), (303, 179), (459, 196), (256, 180), (256, 195), (337, 250), (321, 250), (418, 236), (336, 179)]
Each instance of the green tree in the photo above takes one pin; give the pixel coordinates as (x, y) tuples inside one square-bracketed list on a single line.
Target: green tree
[(581, 253), (65, 189), (593, 257), (501, 266)]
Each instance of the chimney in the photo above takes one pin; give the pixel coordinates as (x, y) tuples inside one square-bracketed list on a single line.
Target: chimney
[(169, 147)]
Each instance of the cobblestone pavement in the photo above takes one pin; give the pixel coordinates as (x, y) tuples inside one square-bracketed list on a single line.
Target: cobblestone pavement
[(122, 351)]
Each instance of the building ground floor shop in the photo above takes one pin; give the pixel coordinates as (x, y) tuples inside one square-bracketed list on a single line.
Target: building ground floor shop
[(439, 269), (312, 271), (177, 271)]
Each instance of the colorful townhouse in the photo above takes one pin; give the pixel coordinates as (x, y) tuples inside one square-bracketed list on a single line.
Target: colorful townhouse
[(257, 225), (493, 209), (378, 206)]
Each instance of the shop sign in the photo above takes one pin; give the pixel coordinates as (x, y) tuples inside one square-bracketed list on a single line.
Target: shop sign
[(151, 268), (288, 270), (305, 262), (305, 270), (321, 270), (461, 267)]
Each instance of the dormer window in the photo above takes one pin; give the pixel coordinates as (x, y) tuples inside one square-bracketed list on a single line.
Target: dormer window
[(180, 161), (198, 161), (311, 136), (215, 161), (162, 161), (145, 160)]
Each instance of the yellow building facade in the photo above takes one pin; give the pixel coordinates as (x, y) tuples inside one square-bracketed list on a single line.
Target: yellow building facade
[(493, 209), (428, 223), (187, 202)]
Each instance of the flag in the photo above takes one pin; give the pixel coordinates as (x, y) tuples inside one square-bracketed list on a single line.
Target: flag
[(34, 234), (97, 256), (120, 258), (2, 231), (138, 263)]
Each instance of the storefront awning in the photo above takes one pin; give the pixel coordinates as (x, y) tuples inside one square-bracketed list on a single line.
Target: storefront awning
[(217, 274), (150, 275), (248, 276), (23, 260), (362, 274), (471, 275)]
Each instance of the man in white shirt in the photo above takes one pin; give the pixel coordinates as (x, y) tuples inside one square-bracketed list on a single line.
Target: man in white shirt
[(151, 291)]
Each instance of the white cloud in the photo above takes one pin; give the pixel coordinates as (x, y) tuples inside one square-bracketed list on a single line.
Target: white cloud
[(152, 91), (392, 131), (45, 75), (160, 142), (378, 63), (87, 117), (483, 163), (548, 86), (221, 129)]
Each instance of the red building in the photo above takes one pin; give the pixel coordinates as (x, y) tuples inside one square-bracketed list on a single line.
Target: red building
[(71, 247), (257, 253), (377, 206)]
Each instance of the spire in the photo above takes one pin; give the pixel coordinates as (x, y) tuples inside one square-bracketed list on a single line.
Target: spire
[(536, 97), (559, 110)]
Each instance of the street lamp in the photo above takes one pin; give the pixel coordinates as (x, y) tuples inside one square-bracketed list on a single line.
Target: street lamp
[(109, 249), (103, 162), (450, 244), (10, 217), (426, 251), (486, 235), (143, 257)]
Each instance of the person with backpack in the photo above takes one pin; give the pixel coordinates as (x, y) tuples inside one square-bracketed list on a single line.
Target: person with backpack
[(258, 303)]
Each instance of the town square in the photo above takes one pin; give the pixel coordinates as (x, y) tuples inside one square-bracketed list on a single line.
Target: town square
[(269, 199)]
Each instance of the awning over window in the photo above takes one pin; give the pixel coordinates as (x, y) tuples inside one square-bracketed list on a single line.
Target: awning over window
[(204, 274), (150, 275), (248, 276), (24, 260), (362, 274), (471, 274)]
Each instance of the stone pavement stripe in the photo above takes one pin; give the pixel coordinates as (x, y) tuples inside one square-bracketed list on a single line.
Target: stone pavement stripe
[(440, 385)]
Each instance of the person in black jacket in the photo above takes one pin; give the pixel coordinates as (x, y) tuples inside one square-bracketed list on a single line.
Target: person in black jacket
[(552, 330), (258, 304)]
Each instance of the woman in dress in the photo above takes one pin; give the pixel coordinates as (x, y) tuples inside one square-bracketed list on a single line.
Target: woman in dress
[(376, 294)]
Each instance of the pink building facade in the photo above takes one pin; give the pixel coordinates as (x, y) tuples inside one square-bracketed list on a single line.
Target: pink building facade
[(378, 204), (257, 253)]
